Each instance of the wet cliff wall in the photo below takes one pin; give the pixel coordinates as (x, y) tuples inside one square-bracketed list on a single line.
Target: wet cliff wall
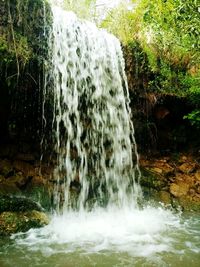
[(23, 38)]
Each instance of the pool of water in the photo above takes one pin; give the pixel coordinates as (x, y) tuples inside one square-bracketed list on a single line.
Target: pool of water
[(112, 237)]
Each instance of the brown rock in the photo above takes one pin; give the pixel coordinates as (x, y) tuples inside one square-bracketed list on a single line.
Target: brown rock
[(167, 169), (186, 178), (165, 197), (157, 170), (38, 181), (192, 192), (183, 159), (164, 167), (25, 167), (180, 189), (197, 175), (9, 188), (6, 168), (187, 167)]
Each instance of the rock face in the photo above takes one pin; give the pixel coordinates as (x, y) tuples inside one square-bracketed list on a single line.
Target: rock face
[(18, 204), (13, 222), (30, 179), (19, 214), (173, 181), (23, 48)]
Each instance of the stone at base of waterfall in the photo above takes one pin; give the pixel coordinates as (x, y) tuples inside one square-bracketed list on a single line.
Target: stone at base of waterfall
[(18, 204), (180, 189), (14, 222), (197, 175), (187, 167)]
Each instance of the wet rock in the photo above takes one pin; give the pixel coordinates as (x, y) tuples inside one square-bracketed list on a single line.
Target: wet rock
[(186, 178), (19, 180), (6, 168), (149, 179), (25, 167), (38, 180), (180, 189), (197, 175), (165, 197), (187, 167), (9, 188), (157, 170), (13, 222), (183, 159), (189, 204), (17, 204), (158, 167)]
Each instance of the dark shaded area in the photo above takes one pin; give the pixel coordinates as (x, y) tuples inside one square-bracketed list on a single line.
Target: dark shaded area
[(158, 115), (18, 204), (23, 42)]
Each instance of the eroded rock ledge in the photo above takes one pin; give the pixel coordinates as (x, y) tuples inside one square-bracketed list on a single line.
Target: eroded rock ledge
[(19, 214), (173, 179)]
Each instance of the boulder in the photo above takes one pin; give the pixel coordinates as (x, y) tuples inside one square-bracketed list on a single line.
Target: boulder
[(17, 204), (197, 175), (180, 189), (187, 167), (13, 222), (19, 214), (6, 168)]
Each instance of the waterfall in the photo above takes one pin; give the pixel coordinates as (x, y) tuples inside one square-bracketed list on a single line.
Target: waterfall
[(86, 117), (97, 162)]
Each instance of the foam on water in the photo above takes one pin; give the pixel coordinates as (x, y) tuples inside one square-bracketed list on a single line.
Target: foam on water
[(138, 232)]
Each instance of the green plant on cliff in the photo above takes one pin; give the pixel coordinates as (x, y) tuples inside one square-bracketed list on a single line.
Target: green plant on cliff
[(193, 84), (168, 34), (8, 53), (22, 39)]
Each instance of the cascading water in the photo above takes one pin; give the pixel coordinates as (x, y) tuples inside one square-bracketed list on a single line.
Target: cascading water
[(92, 125)]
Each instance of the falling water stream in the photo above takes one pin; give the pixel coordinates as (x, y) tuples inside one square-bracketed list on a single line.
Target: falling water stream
[(93, 130), (97, 219)]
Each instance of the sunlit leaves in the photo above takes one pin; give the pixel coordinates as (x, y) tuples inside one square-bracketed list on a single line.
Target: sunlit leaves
[(83, 8)]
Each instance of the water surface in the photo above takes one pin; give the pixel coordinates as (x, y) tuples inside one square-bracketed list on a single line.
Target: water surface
[(113, 237)]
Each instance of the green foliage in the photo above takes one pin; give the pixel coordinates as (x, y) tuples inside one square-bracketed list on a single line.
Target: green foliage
[(121, 23), (194, 118), (8, 53), (22, 39), (166, 29), (168, 33), (192, 83)]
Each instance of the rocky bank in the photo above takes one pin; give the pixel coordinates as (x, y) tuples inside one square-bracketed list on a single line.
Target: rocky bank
[(173, 180)]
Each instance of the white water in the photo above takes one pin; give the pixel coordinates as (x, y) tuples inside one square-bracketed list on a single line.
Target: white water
[(138, 232), (111, 237), (92, 126)]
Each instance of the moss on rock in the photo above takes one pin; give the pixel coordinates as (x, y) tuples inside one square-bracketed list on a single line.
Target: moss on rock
[(13, 222), (17, 204)]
